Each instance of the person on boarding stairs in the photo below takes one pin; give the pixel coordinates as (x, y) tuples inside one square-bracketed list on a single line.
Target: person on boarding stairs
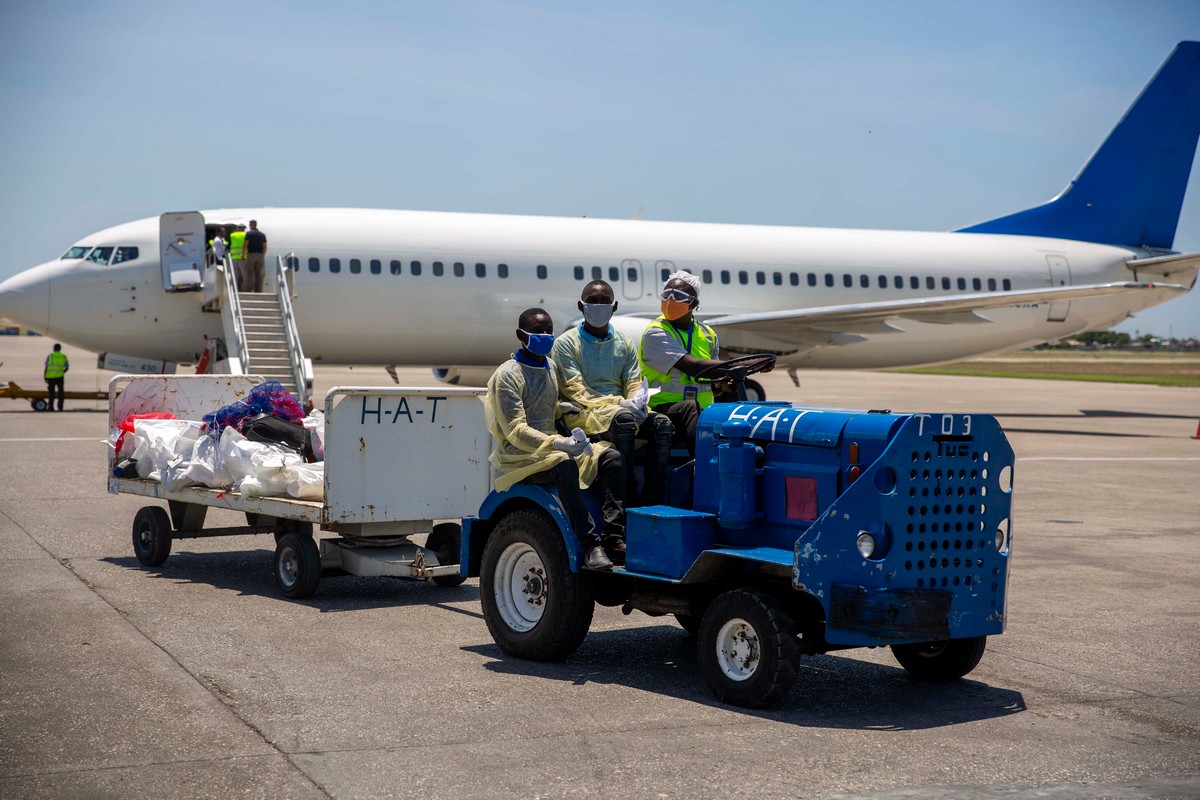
[(520, 408), (237, 253), (256, 254), (598, 383)]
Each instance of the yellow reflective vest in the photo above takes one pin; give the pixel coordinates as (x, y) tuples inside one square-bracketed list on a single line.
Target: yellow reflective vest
[(673, 385), (237, 245), (56, 365)]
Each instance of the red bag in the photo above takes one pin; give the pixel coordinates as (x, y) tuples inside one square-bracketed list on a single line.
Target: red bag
[(127, 425)]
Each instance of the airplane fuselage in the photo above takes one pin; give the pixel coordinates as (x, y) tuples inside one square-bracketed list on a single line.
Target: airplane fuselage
[(387, 287)]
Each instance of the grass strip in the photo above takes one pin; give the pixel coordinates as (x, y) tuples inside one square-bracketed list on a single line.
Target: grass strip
[(1156, 380)]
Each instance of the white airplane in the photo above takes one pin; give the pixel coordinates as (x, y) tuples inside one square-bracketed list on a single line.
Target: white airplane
[(445, 290)]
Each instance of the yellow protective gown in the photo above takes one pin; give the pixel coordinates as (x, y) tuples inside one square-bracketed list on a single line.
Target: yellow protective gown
[(596, 375), (520, 408)]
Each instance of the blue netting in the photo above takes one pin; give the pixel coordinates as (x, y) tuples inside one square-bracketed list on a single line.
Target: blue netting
[(267, 398)]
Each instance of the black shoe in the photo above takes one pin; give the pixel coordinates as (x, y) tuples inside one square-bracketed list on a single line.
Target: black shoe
[(597, 560), (615, 550)]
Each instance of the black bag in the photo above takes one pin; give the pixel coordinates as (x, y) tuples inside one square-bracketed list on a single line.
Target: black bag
[(273, 430)]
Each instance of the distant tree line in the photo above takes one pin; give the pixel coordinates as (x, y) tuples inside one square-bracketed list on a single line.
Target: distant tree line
[(1112, 340)]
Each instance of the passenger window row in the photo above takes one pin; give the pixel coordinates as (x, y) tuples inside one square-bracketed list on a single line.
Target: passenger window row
[(864, 281), (396, 267), (614, 274)]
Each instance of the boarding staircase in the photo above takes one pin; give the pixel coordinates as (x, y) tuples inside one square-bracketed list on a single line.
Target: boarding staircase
[(260, 332)]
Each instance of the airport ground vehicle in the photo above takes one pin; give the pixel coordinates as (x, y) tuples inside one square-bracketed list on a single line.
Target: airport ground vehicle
[(796, 531), (377, 497), (39, 398)]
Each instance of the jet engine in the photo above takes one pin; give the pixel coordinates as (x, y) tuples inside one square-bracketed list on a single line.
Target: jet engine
[(463, 376)]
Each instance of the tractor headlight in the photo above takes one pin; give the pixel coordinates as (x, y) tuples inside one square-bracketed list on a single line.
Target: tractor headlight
[(866, 544)]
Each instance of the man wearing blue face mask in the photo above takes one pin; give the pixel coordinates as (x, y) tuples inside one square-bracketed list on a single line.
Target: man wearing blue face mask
[(599, 381), (521, 406)]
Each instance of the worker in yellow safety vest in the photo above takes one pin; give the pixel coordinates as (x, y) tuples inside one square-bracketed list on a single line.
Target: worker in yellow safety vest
[(674, 348), (237, 252), (55, 373)]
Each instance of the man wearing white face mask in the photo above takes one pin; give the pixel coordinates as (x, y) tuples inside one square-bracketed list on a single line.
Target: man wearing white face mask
[(599, 380)]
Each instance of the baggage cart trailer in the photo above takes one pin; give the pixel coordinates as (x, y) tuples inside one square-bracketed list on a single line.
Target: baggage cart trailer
[(39, 399), (397, 461)]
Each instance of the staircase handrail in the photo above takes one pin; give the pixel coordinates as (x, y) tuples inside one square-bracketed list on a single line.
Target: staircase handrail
[(231, 310), (295, 349)]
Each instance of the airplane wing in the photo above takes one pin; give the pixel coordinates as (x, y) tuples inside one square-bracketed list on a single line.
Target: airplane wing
[(1164, 265), (807, 327)]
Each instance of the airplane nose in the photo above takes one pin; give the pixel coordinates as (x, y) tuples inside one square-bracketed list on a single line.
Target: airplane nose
[(25, 298)]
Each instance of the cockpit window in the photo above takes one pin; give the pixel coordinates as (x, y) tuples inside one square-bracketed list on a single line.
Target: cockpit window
[(100, 255), (76, 252), (124, 254)]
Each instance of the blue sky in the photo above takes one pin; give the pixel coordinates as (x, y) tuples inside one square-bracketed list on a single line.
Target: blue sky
[(923, 115)]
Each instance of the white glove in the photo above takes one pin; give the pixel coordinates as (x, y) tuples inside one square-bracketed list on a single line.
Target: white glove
[(567, 407), (639, 412), (570, 445)]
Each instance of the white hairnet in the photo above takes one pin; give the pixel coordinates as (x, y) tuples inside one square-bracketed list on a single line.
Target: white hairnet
[(685, 276)]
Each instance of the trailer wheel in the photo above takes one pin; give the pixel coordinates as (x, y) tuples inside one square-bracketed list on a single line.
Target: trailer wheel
[(285, 526), (40, 404), (297, 565), (445, 540), (748, 649), (151, 535), (940, 661), (535, 607), (755, 392)]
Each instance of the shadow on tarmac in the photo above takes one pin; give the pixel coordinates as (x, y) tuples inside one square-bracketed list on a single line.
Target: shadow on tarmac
[(1067, 432), (1090, 414), (830, 691), (251, 574)]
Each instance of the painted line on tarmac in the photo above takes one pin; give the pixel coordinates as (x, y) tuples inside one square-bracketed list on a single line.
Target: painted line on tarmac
[(1108, 458), (62, 439)]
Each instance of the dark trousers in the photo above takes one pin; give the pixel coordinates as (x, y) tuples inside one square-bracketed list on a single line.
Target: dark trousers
[(611, 480), (55, 385), (684, 414), (657, 431)]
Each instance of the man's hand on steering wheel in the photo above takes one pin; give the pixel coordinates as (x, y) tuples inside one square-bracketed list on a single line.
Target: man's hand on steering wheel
[(743, 365)]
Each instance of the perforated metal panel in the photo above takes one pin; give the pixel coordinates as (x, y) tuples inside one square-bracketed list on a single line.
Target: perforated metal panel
[(945, 540), (933, 502)]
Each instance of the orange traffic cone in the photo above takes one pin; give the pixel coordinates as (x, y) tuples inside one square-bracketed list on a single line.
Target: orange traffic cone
[(1197, 434)]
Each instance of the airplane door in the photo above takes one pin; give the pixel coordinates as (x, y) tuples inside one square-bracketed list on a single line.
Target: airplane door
[(631, 283), (181, 248), (1060, 275)]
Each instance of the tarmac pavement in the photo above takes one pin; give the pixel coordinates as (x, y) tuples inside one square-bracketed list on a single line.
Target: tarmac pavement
[(197, 679)]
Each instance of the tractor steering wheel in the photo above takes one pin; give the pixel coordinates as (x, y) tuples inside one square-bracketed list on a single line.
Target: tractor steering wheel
[(736, 370)]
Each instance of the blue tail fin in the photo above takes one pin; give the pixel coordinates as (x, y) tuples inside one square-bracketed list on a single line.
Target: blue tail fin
[(1131, 190)]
